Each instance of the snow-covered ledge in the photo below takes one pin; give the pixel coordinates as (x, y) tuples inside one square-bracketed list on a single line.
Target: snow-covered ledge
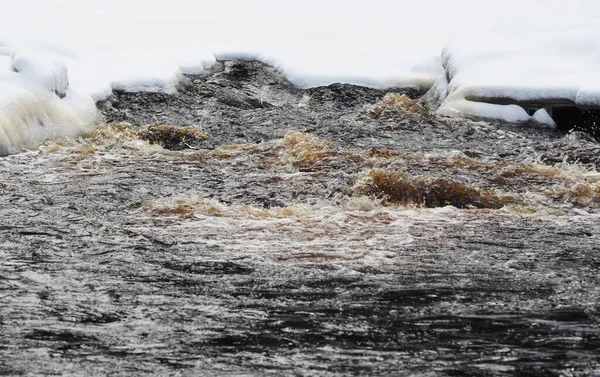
[(515, 75)]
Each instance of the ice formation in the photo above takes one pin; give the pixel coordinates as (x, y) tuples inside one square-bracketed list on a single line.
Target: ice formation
[(36, 102)]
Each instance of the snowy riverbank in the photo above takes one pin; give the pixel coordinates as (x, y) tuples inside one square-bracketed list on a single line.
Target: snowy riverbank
[(57, 58)]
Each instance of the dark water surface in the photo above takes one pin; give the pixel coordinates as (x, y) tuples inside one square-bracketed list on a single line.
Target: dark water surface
[(334, 231)]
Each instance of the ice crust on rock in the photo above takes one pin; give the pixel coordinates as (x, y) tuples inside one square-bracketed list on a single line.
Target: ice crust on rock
[(36, 102)]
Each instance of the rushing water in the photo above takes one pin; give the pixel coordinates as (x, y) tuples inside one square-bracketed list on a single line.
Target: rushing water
[(336, 231)]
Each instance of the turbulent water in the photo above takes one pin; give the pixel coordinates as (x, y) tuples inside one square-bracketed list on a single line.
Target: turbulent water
[(245, 227)]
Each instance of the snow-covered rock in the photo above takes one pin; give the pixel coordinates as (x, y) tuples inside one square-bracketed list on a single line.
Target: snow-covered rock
[(536, 62)]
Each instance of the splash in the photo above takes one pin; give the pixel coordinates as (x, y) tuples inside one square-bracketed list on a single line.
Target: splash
[(398, 188), (372, 177)]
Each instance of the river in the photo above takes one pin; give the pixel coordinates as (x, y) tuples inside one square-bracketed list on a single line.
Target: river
[(332, 231)]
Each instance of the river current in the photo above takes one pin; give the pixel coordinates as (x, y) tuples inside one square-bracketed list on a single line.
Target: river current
[(242, 226)]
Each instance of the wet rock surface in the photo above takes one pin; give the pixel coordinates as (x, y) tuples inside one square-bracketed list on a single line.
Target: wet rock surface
[(308, 233)]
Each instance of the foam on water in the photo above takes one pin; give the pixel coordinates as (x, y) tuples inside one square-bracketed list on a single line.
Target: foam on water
[(300, 228), (380, 180)]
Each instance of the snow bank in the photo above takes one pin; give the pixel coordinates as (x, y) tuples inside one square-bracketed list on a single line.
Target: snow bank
[(60, 56), (550, 56)]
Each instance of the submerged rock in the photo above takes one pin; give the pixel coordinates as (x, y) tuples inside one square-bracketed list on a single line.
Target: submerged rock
[(351, 96), (173, 137)]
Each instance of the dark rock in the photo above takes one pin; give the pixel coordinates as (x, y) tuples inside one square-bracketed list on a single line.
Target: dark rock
[(350, 96), (574, 119)]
